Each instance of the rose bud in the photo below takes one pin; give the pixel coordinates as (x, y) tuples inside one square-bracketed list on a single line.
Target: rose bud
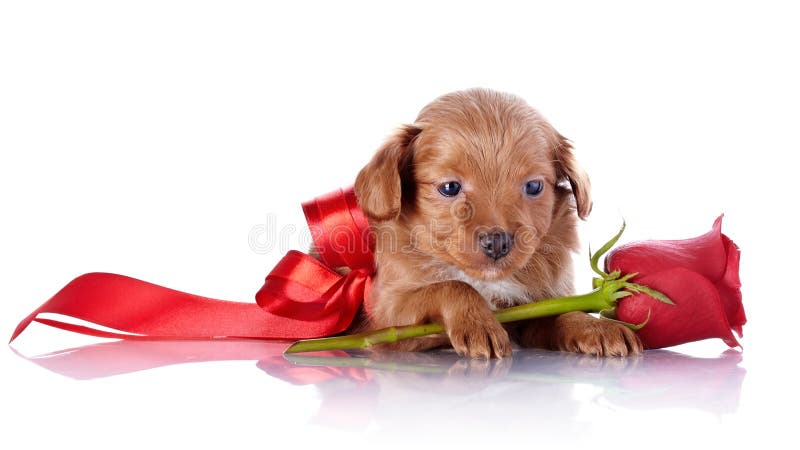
[(700, 276)]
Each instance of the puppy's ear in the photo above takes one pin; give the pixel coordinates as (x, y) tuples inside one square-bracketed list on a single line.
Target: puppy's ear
[(379, 186), (567, 168)]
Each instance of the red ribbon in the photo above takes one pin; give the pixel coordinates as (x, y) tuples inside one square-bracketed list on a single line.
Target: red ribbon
[(301, 298)]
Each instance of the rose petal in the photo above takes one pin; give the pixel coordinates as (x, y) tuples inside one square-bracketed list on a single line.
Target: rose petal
[(697, 314), (729, 288), (704, 254)]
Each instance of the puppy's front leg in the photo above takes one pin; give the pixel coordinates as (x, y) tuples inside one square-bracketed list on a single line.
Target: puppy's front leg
[(472, 329)]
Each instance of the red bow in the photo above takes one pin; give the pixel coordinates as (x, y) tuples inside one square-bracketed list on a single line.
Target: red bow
[(301, 297)]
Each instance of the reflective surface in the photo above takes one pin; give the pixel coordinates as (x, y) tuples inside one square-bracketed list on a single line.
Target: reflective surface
[(659, 379), (248, 392)]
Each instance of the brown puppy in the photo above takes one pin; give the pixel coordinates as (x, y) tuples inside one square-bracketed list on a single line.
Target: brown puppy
[(474, 207)]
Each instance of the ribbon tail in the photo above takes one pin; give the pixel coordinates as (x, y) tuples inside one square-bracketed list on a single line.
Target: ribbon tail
[(144, 311), (23, 325)]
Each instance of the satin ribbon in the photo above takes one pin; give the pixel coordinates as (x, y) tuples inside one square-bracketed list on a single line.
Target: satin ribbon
[(301, 297)]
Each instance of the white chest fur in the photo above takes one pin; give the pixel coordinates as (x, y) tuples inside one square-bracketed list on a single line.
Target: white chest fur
[(498, 294)]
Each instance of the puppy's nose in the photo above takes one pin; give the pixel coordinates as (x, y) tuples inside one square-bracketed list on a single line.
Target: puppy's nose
[(495, 244)]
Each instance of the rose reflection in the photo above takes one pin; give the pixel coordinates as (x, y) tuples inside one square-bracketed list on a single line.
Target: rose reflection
[(360, 387)]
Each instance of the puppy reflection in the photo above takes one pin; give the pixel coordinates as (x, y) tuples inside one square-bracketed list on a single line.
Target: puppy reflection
[(475, 206)]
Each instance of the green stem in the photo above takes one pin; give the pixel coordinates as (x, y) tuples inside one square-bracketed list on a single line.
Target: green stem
[(366, 339), (595, 301)]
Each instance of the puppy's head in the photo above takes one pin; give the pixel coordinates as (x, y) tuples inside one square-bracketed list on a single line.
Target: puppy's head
[(476, 182)]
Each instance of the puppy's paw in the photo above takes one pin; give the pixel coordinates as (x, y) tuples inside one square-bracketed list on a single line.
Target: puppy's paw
[(478, 338), (582, 333)]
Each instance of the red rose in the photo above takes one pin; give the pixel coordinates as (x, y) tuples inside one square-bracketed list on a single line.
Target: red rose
[(700, 275)]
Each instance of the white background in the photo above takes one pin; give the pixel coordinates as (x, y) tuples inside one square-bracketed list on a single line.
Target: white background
[(149, 138)]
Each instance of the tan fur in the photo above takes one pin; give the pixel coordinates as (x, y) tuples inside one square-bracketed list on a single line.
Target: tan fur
[(429, 266)]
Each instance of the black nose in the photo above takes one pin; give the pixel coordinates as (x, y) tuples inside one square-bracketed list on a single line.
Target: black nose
[(495, 244)]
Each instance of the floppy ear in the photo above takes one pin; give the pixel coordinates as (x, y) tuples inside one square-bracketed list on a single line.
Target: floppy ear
[(379, 186), (567, 167)]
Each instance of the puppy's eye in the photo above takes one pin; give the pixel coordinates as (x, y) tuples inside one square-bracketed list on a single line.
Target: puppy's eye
[(534, 187), (450, 189)]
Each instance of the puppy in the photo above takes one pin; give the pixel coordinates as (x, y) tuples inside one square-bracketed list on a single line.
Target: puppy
[(474, 208)]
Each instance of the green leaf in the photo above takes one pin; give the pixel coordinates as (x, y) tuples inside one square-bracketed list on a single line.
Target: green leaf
[(595, 258), (628, 276), (609, 314), (632, 326), (651, 292), (620, 294)]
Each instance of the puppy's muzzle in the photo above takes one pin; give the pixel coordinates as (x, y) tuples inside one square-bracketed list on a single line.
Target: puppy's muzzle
[(496, 244)]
